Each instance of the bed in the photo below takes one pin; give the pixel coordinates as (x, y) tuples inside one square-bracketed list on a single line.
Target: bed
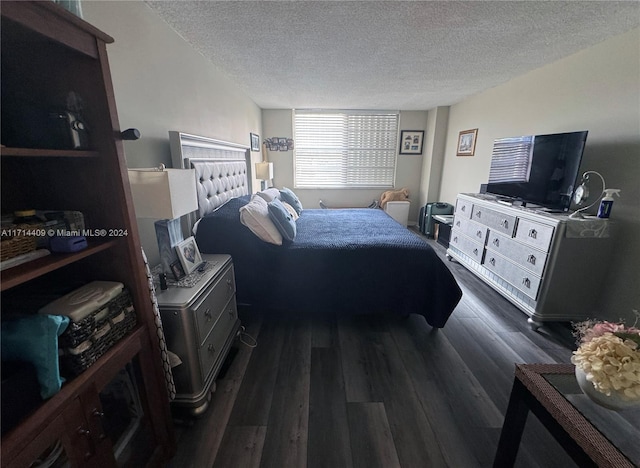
[(349, 261)]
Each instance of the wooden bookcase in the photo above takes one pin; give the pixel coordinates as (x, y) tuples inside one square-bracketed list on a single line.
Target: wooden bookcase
[(46, 53)]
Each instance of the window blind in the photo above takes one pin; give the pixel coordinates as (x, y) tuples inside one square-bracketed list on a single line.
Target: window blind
[(511, 159), (345, 149)]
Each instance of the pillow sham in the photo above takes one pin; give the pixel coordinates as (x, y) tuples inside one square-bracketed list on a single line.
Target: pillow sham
[(282, 219), (270, 194), (288, 196), (291, 210), (255, 216)]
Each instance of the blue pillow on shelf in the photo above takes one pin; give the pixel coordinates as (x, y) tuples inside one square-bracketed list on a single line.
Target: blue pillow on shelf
[(35, 339), (288, 196), (283, 220)]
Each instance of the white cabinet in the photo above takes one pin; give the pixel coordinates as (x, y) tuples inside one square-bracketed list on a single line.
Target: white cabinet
[(549, 265), (200, 324)]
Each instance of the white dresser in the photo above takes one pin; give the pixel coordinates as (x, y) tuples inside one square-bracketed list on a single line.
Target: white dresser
[(548, 265), (200, 324)]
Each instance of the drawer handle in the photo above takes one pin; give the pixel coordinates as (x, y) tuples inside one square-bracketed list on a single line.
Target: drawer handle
[(478, 214), (231, 313), (83, 431), (479, 234), (97, 413), (526, 282), (496, 242), (229, 284), (505, 224), (531, 259), (475, 252), (533, 233), (211, 348), (492, 261), (463, 208), (207, 313), (458, 223), (455, 239)]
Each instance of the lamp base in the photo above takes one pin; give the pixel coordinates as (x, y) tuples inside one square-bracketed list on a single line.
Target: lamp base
[(168, 235)]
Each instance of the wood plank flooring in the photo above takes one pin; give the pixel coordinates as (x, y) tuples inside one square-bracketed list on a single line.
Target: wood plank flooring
[(376, 391)]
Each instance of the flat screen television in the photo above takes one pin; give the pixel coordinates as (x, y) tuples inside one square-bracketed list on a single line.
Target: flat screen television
[(537, 169)]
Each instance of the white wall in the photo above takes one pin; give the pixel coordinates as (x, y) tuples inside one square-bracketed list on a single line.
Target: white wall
[(597, 89), (161, 83), (279, 123)]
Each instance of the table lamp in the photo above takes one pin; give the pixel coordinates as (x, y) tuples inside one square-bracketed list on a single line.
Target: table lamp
[(166, 195), (264, 172)]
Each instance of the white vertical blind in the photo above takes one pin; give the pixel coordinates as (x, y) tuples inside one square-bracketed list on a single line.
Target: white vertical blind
[(344, 149), (511, 159)]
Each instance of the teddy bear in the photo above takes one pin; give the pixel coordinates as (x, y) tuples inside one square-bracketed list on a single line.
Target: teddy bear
[(393, 195)]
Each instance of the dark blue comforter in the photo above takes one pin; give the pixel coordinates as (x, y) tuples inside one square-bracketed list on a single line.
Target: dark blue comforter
[(355, 261)]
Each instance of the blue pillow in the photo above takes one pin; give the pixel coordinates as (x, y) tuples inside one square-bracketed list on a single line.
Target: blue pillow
[(286, 195), (283, 220), (35, 339)]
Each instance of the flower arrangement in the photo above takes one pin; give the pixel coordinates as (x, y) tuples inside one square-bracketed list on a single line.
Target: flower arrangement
[(609, 355)]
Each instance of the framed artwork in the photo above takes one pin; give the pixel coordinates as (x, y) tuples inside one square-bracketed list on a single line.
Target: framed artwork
[(467, 142), (411, 141), (255, 142), (177, 270), (189, 254)]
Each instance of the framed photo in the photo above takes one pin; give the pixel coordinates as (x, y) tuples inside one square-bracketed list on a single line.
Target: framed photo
[(255, 142), (177, 270), (411, 141), (467, 142), (189, 254)]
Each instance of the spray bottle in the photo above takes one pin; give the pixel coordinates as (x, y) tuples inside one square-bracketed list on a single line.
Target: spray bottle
[(607, 202)]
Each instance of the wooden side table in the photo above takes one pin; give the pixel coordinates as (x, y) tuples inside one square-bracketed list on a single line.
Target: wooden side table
[(551, 392)]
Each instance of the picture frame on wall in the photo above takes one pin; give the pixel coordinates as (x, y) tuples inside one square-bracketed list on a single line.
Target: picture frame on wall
[(255, 141), (189, 254), (467, 142), (411, 141)]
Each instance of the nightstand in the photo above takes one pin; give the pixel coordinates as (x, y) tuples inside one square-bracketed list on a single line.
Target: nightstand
[(200, 324)]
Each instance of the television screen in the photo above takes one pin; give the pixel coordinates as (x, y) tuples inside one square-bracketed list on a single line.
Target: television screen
[(539, 170)]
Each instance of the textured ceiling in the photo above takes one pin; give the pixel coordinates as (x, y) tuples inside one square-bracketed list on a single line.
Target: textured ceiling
[(387, 55)]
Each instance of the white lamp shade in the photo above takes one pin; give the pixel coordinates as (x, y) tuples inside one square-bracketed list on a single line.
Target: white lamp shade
[(163, 194), (264, 171)]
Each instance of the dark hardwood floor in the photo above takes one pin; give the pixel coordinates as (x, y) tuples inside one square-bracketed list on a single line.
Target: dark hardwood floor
[(376, 391)]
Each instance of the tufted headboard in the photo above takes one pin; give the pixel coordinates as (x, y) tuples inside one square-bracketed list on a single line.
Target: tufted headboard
[(221, 168)]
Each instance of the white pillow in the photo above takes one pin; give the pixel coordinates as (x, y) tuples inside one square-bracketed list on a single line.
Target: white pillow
[(255, 215), (269, 194)]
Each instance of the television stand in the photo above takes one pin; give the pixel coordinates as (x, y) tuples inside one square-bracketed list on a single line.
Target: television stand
[(549, 265)]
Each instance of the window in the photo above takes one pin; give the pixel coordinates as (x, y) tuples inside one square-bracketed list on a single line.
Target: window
[(511, 160), (345, 149)]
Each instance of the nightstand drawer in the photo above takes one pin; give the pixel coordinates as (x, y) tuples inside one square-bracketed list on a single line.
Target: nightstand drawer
[(474, 230), (217, 295), (463, 208), (214, 343)]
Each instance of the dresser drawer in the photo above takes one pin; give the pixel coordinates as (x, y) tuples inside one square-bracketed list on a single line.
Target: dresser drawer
[(520, 278), (476, 231), (463, 208), (535, 234), (466, 245), (214, 343), (216, 297), (494, 220), (522, 254)]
